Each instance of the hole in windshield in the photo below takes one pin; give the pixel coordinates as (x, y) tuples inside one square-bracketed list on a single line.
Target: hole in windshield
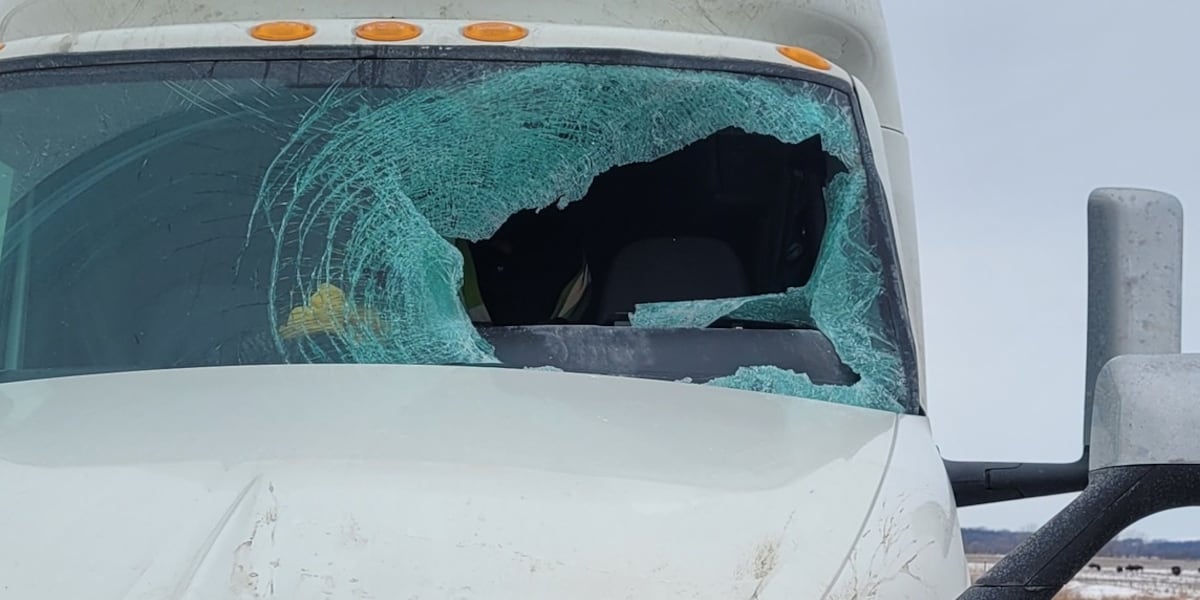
[(730, 216)]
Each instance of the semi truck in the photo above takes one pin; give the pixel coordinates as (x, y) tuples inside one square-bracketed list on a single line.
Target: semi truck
[(510, 299)]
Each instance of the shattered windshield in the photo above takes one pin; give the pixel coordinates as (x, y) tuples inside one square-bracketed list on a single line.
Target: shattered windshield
[(680, 224)]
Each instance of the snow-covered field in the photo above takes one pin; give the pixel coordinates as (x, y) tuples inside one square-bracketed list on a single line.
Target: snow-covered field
[(1154, 582)]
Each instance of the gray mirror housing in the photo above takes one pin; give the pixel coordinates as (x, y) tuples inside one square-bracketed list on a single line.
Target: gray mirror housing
[(1135, 278), (1146, 411)]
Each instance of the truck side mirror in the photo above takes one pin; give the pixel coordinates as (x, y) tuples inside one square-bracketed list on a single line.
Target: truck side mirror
[(1145, 412), (1143, 454), (1135, 278), (1145, 459)]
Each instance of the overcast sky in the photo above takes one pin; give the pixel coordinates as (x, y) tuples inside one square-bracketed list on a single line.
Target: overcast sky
[(1015, 111)]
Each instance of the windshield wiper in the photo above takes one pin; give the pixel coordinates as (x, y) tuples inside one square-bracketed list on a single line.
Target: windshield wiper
[(622, 320), (733, 323)]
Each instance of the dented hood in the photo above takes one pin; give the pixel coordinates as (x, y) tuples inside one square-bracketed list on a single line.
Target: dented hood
[(349, 481)]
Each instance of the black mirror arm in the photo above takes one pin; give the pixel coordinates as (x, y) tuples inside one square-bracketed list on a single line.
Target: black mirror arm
[(977, 483), (1115, 498)]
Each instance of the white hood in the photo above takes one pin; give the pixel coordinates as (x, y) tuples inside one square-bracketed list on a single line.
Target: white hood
[(398, 482)]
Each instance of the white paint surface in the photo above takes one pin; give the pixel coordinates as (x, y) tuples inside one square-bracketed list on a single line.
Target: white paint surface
[(400, 481)]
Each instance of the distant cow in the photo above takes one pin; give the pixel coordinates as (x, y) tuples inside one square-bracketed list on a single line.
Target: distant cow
[(1133, 568), (1094, 566), (1120, 569), (1176, 570)]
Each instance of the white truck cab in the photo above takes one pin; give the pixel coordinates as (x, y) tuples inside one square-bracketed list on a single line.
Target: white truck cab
[(517, 299)]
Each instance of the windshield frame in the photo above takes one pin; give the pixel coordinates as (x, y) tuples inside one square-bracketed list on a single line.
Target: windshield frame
[(65, 69)]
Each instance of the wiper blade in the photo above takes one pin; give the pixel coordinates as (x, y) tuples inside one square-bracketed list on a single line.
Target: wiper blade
[(622, 320), (732, 323), (473, 364)]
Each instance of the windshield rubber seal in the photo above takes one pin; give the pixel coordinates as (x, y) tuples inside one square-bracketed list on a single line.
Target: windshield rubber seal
[(599, 56)]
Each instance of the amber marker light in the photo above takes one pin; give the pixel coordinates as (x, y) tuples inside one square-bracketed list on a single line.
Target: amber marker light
[(806, 57), (388, 31), (282, 31), (494, 32)]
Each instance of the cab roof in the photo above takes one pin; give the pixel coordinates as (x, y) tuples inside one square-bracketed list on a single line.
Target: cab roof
[(850, 33)]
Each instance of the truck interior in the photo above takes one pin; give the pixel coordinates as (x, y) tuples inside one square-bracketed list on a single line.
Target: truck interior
[(732, 215)]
